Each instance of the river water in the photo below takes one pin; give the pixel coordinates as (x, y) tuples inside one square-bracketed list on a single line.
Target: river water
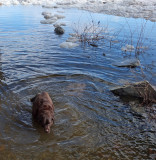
[(90, 122)]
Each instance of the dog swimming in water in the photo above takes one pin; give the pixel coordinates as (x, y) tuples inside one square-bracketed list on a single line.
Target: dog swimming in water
[(43, 110)]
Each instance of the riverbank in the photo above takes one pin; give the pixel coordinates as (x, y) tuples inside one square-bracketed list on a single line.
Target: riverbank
[(125, 8)]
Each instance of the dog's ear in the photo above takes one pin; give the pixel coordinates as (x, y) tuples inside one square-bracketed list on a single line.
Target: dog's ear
[(32, 99)]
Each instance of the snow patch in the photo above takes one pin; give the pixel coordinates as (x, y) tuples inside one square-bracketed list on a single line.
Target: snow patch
[(126, 8)]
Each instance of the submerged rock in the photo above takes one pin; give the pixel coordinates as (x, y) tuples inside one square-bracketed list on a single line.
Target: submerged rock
[(59, 16), (128, 48), (59, 30), (59, 24), (68, 45), (133, 62), (141, 89), (48, 21), (137, 109), (47, 16), (72, 39), (73, 34), (45, 13)]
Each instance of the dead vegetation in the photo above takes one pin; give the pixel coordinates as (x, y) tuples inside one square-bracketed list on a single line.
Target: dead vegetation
[(137, 37), (91, 33)]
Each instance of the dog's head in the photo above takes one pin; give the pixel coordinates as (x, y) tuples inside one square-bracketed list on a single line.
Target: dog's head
[(46, 121)]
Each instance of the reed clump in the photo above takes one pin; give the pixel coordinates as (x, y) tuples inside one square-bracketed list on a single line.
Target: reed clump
[(91, 33)]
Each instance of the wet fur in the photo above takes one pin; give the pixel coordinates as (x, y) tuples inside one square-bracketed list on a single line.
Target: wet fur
[(43, 110)]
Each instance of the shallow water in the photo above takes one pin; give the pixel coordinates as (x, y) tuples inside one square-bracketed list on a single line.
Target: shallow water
[(90, 122)]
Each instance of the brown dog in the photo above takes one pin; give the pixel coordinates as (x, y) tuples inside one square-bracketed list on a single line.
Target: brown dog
[(43, 110)]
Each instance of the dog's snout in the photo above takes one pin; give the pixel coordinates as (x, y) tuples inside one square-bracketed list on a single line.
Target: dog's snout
[(47, 130)]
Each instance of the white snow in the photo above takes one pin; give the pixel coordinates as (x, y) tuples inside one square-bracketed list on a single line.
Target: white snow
[(127, 8)]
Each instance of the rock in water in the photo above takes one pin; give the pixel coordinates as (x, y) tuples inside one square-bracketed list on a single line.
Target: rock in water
[(128, 48), (59, 16), (133, 62), (68, 45), (141, 89), (47, 16), (48, 21), (72, 39), (59, 30), (59, 24)]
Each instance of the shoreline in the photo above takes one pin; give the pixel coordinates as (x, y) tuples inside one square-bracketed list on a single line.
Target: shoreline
[(122, 8)]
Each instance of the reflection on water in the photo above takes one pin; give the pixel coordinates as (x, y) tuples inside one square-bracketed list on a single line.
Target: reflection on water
[(91, 123)]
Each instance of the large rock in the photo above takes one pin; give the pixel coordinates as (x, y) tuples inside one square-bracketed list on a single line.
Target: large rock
[(59, 30), (141, 89), (132, 62)]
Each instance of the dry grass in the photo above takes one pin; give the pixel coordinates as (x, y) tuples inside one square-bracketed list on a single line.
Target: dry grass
[(91, 33), (137, 36)]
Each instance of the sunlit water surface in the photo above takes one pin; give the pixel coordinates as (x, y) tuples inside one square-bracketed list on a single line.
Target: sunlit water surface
[(90, 122)]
